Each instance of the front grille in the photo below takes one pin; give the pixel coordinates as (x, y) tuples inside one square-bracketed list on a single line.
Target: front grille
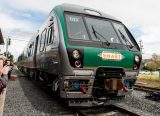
[(110, 72)]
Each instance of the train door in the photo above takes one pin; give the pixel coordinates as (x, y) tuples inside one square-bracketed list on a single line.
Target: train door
[(30, 54), (35, 52), (51, 49), (41, 63)]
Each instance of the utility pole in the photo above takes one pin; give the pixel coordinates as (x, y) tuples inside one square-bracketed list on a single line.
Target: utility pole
[(141, 45)]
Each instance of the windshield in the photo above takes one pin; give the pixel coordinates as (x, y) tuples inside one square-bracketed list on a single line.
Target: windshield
[(123, 34), (104, 28), (76, 28), (84, 29)]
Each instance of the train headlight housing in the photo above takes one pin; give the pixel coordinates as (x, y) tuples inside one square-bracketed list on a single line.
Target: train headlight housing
[(137, 59), (76, 54), (76, 57)]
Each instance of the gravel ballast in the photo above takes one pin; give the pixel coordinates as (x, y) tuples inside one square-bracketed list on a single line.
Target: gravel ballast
[(24, 98), (139, 104)]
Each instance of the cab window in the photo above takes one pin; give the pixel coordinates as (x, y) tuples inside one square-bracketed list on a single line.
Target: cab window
[(76, 28), (123, 34), (101, 30)]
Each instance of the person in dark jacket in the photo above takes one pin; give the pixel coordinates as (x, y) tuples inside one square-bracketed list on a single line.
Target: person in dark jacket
[(4, 72), (8, 63)]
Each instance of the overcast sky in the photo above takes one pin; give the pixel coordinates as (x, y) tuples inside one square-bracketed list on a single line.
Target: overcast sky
[(19, 19)]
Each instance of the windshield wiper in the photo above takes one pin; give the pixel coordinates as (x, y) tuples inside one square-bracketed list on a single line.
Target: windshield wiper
[(95, 34), (125, 39)]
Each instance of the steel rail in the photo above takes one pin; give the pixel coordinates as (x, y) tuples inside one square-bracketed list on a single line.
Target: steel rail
[(112, 108), (123, 110), (146, 89)]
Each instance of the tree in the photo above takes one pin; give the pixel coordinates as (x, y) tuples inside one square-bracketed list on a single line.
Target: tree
[(151, 66), (156, 59), (154, 63)]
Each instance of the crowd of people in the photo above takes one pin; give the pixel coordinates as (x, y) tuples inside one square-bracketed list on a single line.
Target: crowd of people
[(5, 73)]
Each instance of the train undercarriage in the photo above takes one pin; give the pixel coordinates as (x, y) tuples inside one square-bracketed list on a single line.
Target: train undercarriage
[(107, 86)]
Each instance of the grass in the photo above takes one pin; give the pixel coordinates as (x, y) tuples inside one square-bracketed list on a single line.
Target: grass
[(148, 83), (149, 80), (149, 76)]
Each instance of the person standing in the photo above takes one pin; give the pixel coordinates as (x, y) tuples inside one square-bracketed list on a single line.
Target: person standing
[(11, 67), (4, 73), (1, 65), (1, 80)]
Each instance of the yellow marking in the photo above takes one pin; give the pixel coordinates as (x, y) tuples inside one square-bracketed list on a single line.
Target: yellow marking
[(111, 56)]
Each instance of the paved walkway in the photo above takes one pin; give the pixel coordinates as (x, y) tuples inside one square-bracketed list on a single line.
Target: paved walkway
[(2, 99)]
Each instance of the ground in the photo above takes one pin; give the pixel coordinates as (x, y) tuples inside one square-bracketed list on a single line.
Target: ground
[(149, 76), (148, 83), (2, 98), (25, 97), (150, 80)]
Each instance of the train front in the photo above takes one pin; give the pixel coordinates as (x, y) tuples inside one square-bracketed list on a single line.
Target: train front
[(104, 59)]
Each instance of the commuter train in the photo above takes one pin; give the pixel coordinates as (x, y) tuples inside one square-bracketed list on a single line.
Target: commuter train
[(88, 57)]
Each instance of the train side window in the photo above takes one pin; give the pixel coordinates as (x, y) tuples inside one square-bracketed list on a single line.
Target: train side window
[(29, 52), (42, 40), (50, 35), (30, 49)]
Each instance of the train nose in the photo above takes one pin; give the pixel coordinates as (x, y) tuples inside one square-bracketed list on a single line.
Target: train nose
[(100, 57)]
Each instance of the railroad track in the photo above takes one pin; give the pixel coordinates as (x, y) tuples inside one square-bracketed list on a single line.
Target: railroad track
[(146, 89), (111, 110)]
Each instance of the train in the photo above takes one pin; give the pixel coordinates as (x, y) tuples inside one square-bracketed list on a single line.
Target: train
[(87, 57)]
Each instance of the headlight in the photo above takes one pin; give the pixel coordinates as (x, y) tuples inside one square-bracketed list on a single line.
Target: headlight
[(76, 54), (137, 59)]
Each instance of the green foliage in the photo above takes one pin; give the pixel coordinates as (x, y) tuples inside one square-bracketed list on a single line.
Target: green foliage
[(154, 63), (149, 76)]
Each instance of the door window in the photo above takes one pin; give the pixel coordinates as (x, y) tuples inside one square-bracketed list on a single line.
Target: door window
[(42, 41)]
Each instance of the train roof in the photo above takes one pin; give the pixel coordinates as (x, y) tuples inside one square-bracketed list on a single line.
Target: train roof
[(83, 10)]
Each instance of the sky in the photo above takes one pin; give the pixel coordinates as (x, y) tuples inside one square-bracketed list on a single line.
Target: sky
[(20, 19)]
